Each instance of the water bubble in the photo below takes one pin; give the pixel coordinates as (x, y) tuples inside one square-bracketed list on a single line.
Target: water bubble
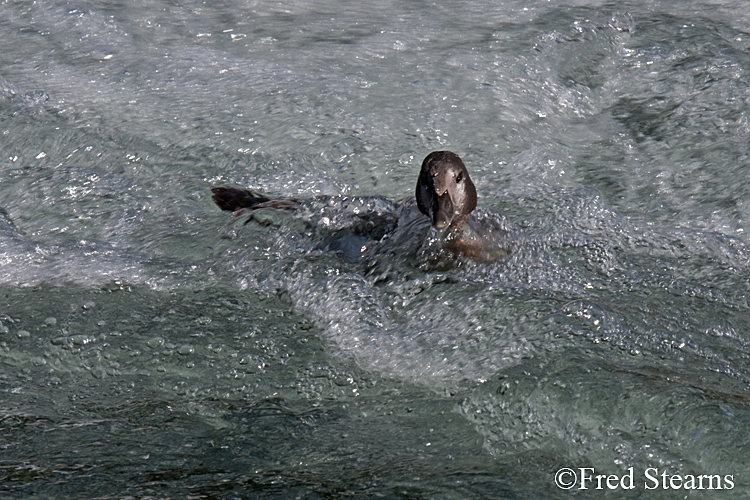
[(185, 349), (155, 342), (81, 339)]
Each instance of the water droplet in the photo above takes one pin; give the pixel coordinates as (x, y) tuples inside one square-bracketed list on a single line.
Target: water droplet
[(155, 342), (185, 349)]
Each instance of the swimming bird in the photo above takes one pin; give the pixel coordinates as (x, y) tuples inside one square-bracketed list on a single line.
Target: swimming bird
[(445, 194)]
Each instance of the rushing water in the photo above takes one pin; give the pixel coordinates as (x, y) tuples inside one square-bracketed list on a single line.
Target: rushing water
[(152, 346)]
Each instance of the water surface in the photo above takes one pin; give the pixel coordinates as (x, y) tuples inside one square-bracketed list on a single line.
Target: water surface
[(154, 347)]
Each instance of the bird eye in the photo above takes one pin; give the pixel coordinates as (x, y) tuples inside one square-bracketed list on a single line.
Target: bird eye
[(459, 177)]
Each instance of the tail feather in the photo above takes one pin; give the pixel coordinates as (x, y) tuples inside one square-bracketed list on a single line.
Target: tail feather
[(233, 199)]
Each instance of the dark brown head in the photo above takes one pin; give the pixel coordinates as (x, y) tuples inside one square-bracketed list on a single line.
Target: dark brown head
[(445, 192)]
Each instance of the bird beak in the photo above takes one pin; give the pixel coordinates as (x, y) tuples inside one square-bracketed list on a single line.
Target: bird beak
[(442, 211)]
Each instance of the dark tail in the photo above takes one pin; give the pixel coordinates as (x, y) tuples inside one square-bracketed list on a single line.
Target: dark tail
[(233, 199)]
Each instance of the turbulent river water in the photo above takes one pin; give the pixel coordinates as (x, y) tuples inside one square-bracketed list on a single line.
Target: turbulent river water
[(152, 346)]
